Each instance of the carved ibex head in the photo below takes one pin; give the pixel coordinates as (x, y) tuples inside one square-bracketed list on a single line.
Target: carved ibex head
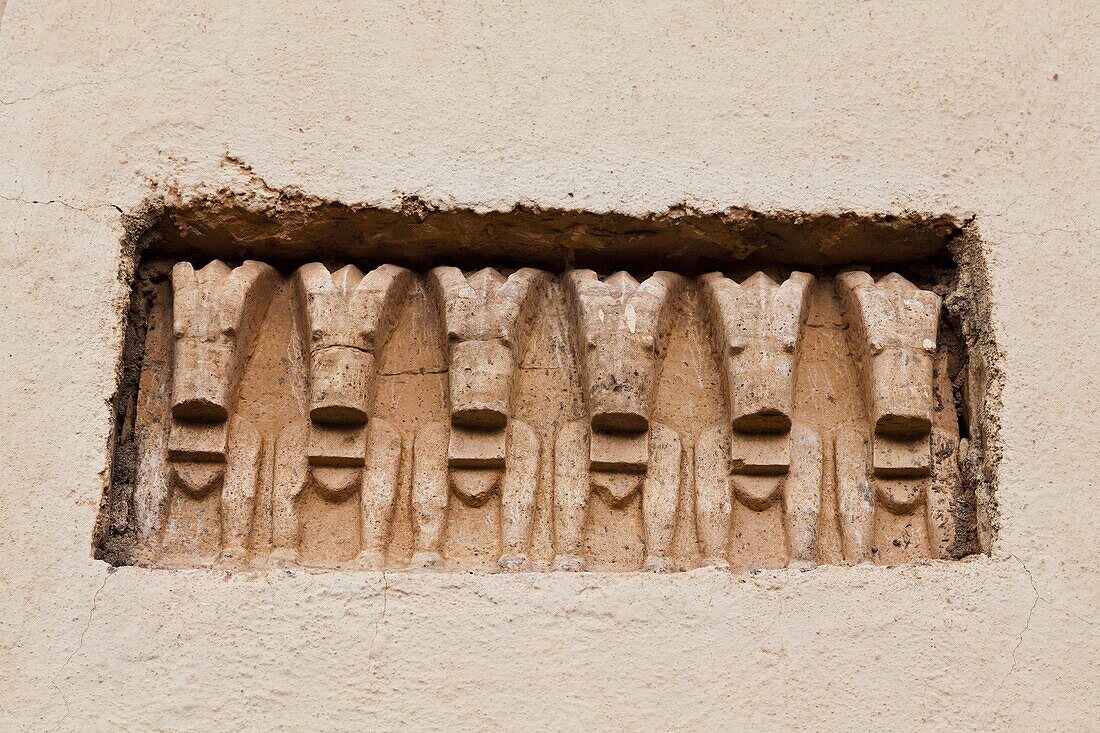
[(621, 327), (757, 326), (486, 317), (346, 318), (217, 312), (895, 323)]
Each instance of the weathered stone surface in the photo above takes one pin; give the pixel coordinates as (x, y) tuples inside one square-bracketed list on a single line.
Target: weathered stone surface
[(476, 447), (760, 453), (757, 325), (894, 325), (618, 452), (198, 441), (514, 420), (375, 480), (797, 486), (336, 449), (900, 457), (336, 446)]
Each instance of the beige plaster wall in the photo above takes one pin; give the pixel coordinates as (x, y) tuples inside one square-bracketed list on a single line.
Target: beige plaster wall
[(969, 108)]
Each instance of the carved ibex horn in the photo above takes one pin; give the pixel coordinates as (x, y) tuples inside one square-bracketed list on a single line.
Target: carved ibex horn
[(486, 317), (217, 312), (346, 318)]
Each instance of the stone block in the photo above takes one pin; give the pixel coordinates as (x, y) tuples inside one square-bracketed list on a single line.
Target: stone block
[(476, 447), (336, 446), (619, 452)]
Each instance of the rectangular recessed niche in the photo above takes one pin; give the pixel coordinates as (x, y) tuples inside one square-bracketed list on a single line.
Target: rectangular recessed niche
[(311, 384)]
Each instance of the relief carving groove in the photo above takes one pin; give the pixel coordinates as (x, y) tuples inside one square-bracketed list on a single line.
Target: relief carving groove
[(522, 420)]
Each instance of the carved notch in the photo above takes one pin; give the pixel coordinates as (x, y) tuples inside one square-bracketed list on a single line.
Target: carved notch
[(756, 327)]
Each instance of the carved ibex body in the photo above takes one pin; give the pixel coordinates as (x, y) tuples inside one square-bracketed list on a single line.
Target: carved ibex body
[(483, 448), (216, 315), (621, 328), (761, 455), (894, 325), (345, 319)]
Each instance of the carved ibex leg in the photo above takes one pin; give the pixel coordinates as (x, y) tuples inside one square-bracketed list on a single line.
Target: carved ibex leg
[(942, 524), (430, 493), (151, 493), (855, 495), (661, 496), (383, 462), (713, 504), (802, 494), (571, 489), (242, 473), (517, 499), (291, 477)]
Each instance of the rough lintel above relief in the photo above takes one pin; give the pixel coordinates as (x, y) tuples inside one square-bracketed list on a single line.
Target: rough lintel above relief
[(297, 228)]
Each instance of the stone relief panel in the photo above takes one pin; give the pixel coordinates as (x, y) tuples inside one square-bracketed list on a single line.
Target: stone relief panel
[(333, 417)]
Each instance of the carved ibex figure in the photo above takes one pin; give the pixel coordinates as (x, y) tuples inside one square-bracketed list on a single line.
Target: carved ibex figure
[(894, 329), (621, 329), (216, 314), (345, 319), (482, 448), (760, 457)]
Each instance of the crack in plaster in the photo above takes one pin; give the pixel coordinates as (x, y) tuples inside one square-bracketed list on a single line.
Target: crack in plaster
[(378, 626), (66, 204), (79, 646), (1030, 614), (1020, 637)]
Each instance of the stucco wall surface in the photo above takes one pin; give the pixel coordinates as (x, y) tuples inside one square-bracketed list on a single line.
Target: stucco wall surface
[(981, 109)]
